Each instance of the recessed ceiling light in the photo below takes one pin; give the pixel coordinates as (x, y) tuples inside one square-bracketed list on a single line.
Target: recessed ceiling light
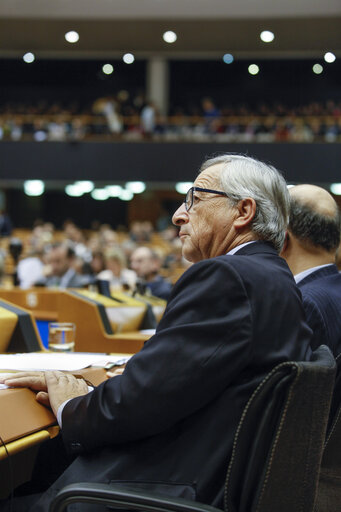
[(182, 186), (335, 188), (170, 36), (126, 195), (267, 36), (136, 187), (29, 57), (317, 69), (100, 194), (228, 58), (329, 57), (73, 190), (253, 69), (128, 58), (108, 69), (85, 185), (72, 36), (34, 187)]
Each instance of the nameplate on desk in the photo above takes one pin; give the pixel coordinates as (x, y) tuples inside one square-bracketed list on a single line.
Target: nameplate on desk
[(73, 361)]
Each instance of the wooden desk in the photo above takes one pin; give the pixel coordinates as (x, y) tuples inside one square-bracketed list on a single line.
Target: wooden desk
[(22, 416), (24, 425), (93, 328)]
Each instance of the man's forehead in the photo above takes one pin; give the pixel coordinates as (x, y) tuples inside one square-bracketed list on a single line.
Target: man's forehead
[(209, 177)]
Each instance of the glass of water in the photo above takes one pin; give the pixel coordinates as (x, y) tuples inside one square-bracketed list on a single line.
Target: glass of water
[(61, 336)]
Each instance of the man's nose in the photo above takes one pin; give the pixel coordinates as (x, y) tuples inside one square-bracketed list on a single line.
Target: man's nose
[(180, 217)]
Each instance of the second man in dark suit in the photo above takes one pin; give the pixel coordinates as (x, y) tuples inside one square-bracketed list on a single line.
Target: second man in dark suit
[(312, 240)]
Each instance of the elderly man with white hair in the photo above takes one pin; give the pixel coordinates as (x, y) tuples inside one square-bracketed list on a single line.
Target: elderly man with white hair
[(167, 423)]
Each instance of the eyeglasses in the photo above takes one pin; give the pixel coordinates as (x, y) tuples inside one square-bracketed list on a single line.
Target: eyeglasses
[(190, 195)]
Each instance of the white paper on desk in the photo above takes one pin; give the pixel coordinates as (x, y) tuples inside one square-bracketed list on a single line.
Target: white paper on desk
[(48, 361)]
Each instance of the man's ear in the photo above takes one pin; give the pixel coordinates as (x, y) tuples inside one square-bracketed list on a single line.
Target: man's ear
[(286, 243), (246, 213)]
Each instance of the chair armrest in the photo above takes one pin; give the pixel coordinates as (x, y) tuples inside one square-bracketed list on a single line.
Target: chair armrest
[(123, 498)]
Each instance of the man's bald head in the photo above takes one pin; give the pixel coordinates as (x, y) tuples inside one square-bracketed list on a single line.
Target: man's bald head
[(314, 217), (315, 198)]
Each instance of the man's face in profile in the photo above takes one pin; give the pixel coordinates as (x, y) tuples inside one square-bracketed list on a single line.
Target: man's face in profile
[(205, 230)]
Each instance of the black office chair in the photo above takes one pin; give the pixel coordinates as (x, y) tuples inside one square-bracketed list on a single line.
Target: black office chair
[(329, 488), (276, 454)]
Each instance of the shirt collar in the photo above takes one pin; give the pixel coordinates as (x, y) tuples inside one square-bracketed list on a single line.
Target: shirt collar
[(301, 275), (236, 249)]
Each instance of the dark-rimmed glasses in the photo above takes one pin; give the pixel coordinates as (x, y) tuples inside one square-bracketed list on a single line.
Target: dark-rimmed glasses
[(190, 195)]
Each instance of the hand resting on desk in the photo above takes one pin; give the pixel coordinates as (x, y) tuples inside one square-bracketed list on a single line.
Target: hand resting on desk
[(53, 387)]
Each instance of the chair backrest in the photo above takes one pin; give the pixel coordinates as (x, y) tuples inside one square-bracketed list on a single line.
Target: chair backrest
[(279, 440), (329, 488)]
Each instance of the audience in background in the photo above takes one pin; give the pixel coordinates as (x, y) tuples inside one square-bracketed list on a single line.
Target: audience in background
[(30, 270), (147, 263), (126, 119), (116, 271), (75, 257), (60, 271)]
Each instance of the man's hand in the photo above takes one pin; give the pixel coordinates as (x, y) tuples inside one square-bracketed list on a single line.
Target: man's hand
[(32, 380), (60, 387), (53, 387), (116, 371)]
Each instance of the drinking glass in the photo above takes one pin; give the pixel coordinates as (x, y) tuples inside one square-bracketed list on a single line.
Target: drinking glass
[(61, 336)]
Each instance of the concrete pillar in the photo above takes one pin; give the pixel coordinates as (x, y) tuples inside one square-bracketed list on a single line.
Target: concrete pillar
[(157, 87)]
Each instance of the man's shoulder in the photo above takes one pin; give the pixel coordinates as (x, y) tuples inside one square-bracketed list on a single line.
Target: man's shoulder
[(322, 287), (326, 278)]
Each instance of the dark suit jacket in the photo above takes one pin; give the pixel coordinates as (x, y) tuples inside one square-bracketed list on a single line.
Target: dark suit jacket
[(321, 293), (168, 422), (160, 288)]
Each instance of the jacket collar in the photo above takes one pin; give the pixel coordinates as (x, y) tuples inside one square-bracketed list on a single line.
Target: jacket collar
[(321, 272), (257, 248)]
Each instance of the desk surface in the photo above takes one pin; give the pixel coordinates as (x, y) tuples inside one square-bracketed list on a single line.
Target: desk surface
[(21, 414)]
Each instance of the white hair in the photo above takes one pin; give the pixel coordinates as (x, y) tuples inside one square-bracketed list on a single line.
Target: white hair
[(243, 177)]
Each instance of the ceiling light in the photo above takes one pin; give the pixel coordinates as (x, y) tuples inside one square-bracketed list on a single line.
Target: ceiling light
[(126, 195), (72, 36), (100, 194), (335, 188), (114, 190), (73, 190), (317, 68), (267, 36), (108, 69), (253, 69), (34, 187), (128, 58), (228, 58), (182, 186), (85, 186), (170, 36), (29, 57), (136, 187), (329, 57)]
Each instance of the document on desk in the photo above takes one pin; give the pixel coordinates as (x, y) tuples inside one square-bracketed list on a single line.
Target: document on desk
[(73, 361)]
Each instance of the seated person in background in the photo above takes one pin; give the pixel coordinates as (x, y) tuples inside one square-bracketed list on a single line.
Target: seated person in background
[(31, 269), (312, 240), (167, 423), (60, 259), (116, 271), (147, 263)]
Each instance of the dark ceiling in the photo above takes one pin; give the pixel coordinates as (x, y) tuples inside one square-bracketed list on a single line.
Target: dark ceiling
[(294, 37)]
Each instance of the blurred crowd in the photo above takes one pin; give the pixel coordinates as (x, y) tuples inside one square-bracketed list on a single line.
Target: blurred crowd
[(138, 119), (138, 259)]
